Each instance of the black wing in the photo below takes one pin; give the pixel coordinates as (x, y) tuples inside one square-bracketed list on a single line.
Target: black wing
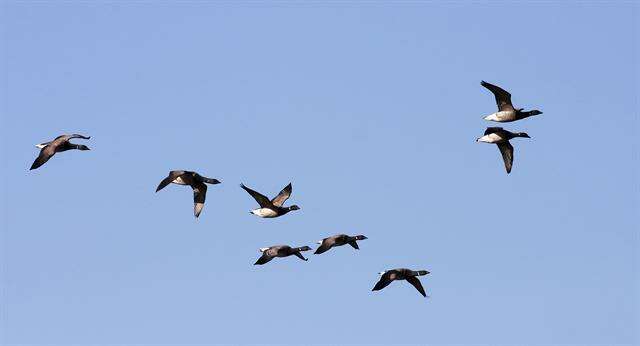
[(299, 255), (417, 284), (45, 154), (384, 281), (506, 149), (491, 130), (327, 243), (263, 259), (260, 198), (279, 200), (503, 98), (199, 195), (166, 181)]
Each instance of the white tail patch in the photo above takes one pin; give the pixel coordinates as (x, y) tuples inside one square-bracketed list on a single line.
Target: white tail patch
[(263, 249), (41, 145), (381, 273), (319, 242)]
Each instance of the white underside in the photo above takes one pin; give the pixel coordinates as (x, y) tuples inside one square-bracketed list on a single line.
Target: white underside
[(264, 212), (500, 116), (490, 138), (179, 181)]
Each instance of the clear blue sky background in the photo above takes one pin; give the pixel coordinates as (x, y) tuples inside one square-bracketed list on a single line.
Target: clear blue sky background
[(371, 110)]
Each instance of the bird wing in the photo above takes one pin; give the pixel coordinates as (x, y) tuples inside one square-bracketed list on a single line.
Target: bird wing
[(166, 181), (299, 255), (506, 149), (491, 130), (417, 284), (199, 195), (45, 154), (263, 259), (327, 243), (384, 281), (279, 200), (260, 198), (75, 135), (503, 98)]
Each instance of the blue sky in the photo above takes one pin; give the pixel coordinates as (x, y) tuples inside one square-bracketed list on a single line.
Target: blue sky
[(371, 110)]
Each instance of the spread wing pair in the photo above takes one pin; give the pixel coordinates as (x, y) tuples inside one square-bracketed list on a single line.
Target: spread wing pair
[(188, 178), (392, 275), (264, 201)]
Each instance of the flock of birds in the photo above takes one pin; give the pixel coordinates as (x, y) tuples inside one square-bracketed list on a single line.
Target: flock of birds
[(270, 208)]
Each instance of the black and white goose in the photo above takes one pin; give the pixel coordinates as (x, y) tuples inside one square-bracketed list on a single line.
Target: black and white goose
[(197, 183), (401, 274), (338, 240), (58, 145), (501, 137), (506, 112), (271, 208), (269, 253)]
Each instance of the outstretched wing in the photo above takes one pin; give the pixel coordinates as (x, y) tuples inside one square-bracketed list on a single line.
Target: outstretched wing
[(327, 243), (384, 281), (506, 149), (75, 135), (299, 255), (503, 98), (279, 200), (491, 130), (45, 154), (199, 195), (166, 181), (263, 259), (417, 284), (260, 198)]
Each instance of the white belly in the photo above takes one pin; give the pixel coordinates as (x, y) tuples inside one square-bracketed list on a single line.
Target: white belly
[(491, 138), (264, 212), (501, 116), (179, 181)]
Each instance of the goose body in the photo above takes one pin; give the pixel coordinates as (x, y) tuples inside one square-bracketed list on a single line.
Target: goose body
[(501, 137), (274, 251), (274, 207), (506, 112), (411, 276), (197, 183), (58, 145), (338, 240)]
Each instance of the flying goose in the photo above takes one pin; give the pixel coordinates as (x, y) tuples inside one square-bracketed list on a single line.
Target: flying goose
[(271, 208), (401, 274), (501, 137), (269, 253), (506, 113), (338, 240), (59, 144), (197, 183)]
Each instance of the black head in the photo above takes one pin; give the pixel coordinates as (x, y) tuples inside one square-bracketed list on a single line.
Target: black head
[(360, 237), (294, 207), (535, 112), (211, 181), (304, 248), (83, 147), (522, 134)]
